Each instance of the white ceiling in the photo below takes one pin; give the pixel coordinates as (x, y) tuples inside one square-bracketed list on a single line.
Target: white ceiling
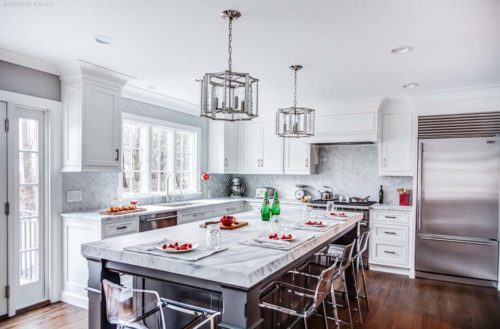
[(344, 45)]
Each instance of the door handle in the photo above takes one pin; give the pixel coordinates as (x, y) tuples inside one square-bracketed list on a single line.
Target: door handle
[(419, 185), (307, 163), (225, 162), (483, 243), (117, 153)]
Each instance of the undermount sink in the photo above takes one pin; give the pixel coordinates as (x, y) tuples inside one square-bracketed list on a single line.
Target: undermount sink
[(178, 204)]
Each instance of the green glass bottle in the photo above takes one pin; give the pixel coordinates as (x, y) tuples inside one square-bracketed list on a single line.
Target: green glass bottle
[(275, 209), (265, 210)]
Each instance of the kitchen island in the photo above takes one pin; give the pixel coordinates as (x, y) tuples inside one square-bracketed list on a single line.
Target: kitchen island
[(229, 281)]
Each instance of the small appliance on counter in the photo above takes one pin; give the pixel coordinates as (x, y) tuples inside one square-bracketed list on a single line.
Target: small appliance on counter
[(260, 191), (237, 189)]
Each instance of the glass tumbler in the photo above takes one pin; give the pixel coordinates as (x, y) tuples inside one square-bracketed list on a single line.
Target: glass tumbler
[(213, 236), (276, 224), (330, 207)]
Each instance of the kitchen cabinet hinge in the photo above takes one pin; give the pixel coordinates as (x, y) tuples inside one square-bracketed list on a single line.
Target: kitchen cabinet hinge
[(7, 208), (7, 125), (7, 291)]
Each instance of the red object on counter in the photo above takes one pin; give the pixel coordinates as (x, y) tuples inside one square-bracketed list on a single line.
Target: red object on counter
[(404, 199)]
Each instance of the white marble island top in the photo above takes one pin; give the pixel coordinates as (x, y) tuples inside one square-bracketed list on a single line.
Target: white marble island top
[(240, 265)]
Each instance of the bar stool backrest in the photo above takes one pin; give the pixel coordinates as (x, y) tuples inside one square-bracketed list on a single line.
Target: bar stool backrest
[(323, 288), (347, 254), (119, 302), (363, 241)]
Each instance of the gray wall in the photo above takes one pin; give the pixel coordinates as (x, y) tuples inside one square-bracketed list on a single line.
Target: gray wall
[(350, 169), (23, 80)]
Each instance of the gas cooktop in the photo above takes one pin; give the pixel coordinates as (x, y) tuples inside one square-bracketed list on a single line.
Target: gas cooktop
[(367, 203)]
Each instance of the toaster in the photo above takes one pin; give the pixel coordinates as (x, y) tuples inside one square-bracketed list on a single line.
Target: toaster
[(260, 191)]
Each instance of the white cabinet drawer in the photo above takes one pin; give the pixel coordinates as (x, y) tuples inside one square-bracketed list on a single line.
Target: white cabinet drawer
[(391, 217), (254, 206), (120, 228), (194, 216), (382, 232), (231, 209), (389, 253)]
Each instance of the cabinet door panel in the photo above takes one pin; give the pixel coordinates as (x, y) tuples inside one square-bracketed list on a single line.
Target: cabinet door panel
[(272, 159), (297, 156), (231, 147), (251, 147), (397, 143), (101, 139)]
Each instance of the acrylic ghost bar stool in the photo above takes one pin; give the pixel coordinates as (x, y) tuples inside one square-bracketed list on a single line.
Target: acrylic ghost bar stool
[(300, 302), (122, 311), (324, 259)]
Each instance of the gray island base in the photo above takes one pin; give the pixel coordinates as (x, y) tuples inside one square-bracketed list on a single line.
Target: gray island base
[(229, 281)]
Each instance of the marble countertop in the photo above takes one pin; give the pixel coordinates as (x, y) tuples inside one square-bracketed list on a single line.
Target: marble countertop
[(392, 207), (151, 209), (239, 265)]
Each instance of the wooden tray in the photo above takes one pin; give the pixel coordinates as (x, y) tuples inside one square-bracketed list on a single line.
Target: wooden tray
[(235, 226), (124, 212)]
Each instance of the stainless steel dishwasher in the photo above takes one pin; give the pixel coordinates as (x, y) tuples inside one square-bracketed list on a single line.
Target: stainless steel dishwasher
[(157, 220)]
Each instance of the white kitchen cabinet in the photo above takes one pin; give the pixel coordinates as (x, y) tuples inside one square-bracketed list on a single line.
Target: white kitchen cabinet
[(396, 147), (390, 241), (223, 147), (77, 231), (91, 117), (299, 158), (261, 151)]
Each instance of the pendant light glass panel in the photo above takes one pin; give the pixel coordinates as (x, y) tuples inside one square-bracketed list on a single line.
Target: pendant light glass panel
[(295, 122)]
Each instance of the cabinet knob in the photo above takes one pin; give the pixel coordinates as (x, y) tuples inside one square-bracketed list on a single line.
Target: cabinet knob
[(117, 152)]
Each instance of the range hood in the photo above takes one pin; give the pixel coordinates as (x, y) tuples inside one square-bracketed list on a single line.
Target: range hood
[(345, 129)]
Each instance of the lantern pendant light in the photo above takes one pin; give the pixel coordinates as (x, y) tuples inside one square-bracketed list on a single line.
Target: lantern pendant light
[(295, 122), (229, 95)]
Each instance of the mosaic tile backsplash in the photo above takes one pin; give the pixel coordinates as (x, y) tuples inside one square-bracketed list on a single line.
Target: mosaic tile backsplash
[(349, 169)]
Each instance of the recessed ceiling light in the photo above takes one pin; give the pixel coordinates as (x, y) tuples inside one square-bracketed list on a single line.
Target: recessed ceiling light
[(410, 85), (402, 50), (103, 39)]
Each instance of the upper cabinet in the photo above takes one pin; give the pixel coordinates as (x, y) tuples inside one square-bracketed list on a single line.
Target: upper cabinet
[(300, 158), (396, 148), (261, 151), (223, 147), (91, 117)]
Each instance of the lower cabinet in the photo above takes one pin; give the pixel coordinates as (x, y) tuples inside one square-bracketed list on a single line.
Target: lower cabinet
[(390, 240), (77, 231)]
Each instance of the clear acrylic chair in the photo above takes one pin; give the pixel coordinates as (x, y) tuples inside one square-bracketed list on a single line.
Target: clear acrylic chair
[(324, 259), (121, 309), (301, 302)]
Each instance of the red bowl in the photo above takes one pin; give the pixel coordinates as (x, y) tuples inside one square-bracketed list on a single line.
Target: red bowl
[(227, 220)]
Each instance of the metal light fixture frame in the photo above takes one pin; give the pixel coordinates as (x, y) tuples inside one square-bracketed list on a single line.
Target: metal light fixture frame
[(294, 121), (229, 95)]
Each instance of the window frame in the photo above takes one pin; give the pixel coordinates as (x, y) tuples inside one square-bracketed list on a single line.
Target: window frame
[(174, 127)]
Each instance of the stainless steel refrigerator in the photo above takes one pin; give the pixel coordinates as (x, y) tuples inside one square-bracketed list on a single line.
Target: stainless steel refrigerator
[(457, 216)]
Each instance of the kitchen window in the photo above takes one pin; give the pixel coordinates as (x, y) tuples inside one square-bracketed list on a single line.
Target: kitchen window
[(159, 153)]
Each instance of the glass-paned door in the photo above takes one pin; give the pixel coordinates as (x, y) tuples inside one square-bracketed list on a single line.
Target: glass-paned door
[(3, 216), (28, 129)]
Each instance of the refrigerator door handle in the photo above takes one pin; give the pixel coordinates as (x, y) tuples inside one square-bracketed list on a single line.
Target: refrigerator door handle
[(419, 185), (457, 240)]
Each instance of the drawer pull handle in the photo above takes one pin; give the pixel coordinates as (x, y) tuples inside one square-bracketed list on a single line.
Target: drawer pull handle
[(121, 227), (390, 252), (391, 217), (392, 233)]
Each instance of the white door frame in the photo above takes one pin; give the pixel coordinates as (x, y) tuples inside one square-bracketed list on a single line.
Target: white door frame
[(53, 188)]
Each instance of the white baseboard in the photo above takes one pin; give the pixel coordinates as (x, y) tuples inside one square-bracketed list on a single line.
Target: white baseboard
[(74, 299), (390, 269)]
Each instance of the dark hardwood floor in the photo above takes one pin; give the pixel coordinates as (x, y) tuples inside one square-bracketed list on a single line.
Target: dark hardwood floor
[(396, 302)]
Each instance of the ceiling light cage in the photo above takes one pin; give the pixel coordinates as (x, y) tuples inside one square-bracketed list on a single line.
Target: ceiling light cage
[(294, 121), (229, 95)]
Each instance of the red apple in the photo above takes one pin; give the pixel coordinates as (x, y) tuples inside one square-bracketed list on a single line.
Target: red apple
[(227, 220)]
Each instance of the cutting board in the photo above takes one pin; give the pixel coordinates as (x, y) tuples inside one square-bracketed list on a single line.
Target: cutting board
[(124, 212), (235, 226)]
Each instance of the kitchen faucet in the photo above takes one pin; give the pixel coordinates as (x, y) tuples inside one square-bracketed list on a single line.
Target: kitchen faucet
[(179, 186)]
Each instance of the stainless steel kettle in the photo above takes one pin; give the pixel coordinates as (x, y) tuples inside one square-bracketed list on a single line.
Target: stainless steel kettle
[(327, 195)]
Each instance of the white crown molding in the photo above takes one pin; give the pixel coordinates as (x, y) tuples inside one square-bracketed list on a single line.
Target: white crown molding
[(28, 61), (79, 68), (159, 99)]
